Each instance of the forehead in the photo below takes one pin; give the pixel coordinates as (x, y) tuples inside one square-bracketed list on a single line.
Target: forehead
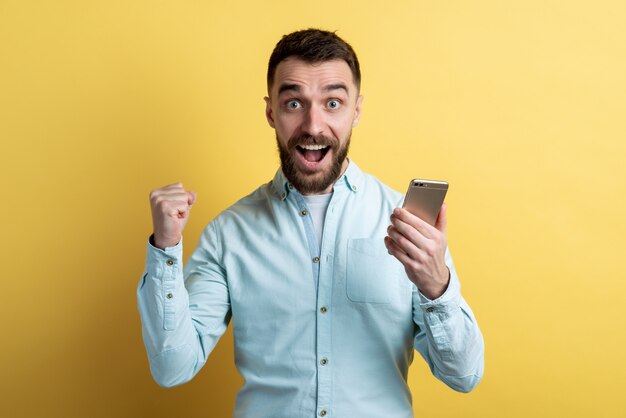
[(313, 75)]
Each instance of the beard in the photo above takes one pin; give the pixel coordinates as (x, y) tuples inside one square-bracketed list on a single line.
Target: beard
[(311, 182)]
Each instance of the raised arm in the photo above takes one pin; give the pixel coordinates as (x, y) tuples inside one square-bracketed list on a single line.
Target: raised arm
[(183, 313)]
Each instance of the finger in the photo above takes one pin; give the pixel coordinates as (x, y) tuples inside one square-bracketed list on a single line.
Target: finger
[(406, 245), (397, 252), (416, 245), (442, 219), (166, 201), (178, 185), (392, 247), (170, 191), (175, 195), (408, 231), (173, 192), (416, 222)]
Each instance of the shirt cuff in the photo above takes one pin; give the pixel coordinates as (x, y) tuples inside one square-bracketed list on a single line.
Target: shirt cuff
[(451, 294), (151, 243), (160, 261), (164, 273)]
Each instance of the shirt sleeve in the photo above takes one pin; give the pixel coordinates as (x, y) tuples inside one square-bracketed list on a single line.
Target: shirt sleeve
[(447, 335), (183, 312)]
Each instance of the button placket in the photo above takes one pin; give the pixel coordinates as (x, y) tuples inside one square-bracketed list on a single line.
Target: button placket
[(325, 285), (169, 308)]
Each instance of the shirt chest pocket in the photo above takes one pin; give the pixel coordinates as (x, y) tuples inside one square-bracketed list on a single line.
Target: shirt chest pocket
[(372, 274)]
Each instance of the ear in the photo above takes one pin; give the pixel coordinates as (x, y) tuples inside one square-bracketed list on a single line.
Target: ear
[(268, 111), (357, 111)]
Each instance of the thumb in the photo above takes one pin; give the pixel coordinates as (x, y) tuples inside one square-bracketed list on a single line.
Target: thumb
[(442, 220), (191, 197)]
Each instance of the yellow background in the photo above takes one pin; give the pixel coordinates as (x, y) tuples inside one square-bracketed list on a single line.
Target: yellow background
[(520, 105)]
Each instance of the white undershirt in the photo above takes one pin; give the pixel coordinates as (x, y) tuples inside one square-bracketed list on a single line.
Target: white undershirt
[(318, 204)]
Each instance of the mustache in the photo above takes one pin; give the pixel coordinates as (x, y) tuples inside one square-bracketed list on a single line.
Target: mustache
[(307, 139)]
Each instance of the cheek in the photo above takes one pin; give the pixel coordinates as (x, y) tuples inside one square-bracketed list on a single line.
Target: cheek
[(287, 123), (341, 126), (283, 134)]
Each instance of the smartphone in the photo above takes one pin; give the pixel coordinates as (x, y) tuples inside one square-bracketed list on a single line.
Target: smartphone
[(424, 198)]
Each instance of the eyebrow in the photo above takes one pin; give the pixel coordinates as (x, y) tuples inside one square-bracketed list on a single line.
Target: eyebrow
[(296, 88), (288, 87), (337, 86)]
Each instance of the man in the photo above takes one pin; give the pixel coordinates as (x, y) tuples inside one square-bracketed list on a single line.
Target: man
[(328, 284)]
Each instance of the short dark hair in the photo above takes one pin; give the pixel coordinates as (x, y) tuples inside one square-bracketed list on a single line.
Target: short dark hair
[(313, 46)]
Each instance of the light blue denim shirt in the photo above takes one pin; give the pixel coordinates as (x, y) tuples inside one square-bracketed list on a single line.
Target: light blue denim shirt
[(325, 332)]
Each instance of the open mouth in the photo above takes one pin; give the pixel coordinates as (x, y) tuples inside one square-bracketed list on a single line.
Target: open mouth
[(313, 153)]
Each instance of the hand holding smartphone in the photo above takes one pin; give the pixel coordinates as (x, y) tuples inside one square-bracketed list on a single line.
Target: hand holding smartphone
[(424, 198)]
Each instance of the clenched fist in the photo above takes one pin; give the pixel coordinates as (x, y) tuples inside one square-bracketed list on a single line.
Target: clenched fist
[(170, 207)]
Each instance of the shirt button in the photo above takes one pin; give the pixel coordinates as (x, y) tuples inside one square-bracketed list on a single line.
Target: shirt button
[(323, 413), (170, 262), (324, 362), (304, 212), (354, 187), (169, 296), (431, 309), (283, 195), (290, 186), (316, 259), (323, 309)]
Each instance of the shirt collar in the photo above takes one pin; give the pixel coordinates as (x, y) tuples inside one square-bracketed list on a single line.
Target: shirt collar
[(351, 180)]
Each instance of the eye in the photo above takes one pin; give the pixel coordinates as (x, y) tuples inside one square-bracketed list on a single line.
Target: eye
[(293, 104), (334, 104)]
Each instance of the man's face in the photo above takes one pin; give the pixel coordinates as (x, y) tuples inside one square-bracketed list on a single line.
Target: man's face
[(312, 108)]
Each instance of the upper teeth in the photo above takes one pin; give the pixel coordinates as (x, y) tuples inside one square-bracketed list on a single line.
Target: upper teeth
[(313, 147)]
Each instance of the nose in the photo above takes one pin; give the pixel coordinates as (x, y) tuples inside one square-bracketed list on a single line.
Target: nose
[(313, 123)]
